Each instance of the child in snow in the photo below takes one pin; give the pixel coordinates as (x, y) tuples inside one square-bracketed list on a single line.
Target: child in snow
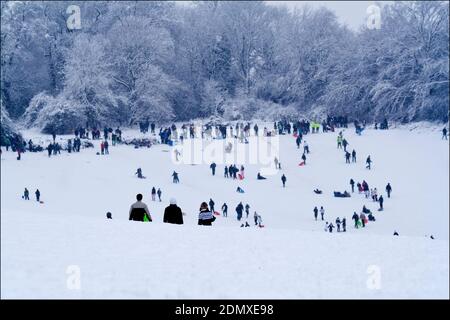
[(330, 227), (239, 190), (322, 212)]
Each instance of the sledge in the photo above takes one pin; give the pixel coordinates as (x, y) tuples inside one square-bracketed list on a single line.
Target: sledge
[(380, 209), (41, 201), (301, 163), (216, 213), (261, 226), (241, 177)]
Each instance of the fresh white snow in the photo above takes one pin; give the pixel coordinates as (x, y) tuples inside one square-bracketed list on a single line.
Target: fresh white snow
[(292, 257)]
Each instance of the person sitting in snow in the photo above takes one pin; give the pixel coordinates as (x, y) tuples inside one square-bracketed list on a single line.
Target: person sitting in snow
[(173, 213), (260, 177), (139, 173), (139, 210), (330, 227), (205, 217), (239, 190)]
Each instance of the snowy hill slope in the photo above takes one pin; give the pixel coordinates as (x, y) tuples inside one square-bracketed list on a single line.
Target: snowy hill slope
[(291, 258), (117, 259)]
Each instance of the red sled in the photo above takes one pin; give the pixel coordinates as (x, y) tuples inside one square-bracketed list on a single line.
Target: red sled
[(241, 177), (216, 213), (295, 135), (301, 163)]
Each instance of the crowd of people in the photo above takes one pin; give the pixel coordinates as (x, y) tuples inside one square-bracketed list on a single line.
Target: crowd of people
[(173, 214)]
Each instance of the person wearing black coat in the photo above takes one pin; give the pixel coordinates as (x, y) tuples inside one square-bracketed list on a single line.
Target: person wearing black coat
[(239, 209), (381, 200), (389, 190), (211, 205), (172, 213), (316, 212), (38, 195), (213, 168), (352, 183), (283, 179)]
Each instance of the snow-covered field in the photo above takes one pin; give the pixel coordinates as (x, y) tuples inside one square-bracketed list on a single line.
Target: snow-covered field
[(43, 246)]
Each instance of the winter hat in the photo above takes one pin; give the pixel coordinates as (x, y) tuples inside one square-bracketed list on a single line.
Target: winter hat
[(173, 201)]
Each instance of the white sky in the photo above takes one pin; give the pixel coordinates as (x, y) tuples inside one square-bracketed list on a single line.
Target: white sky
[(351, 13)]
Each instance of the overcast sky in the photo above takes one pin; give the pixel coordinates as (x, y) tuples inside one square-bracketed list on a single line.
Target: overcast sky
[(351, 13)]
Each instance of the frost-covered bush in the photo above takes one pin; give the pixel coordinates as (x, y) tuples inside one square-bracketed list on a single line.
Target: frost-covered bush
[(54, 114)]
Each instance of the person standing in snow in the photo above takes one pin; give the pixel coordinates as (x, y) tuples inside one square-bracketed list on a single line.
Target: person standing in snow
[(362, 217), (225, 210), (353, 155), (213, 168), (322, 212), (298, 141), (139, 210), (316, 212), (347, 157), (381, 200), (283, 180), (388, 190), (305, 147), (26, 194), (106, 146), (368, 162), (339, 142), (258, 220), (225, 172), (344, 224), (356, 218), (338, 224), (211, 205), (38, 195), (175, 177), (102, 147), (304, 159), (205, 217), (159, 192), (239, 209), (247, 210), (444, 133), (352, 183), (173, 213), (153, 193), (345, 144)]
